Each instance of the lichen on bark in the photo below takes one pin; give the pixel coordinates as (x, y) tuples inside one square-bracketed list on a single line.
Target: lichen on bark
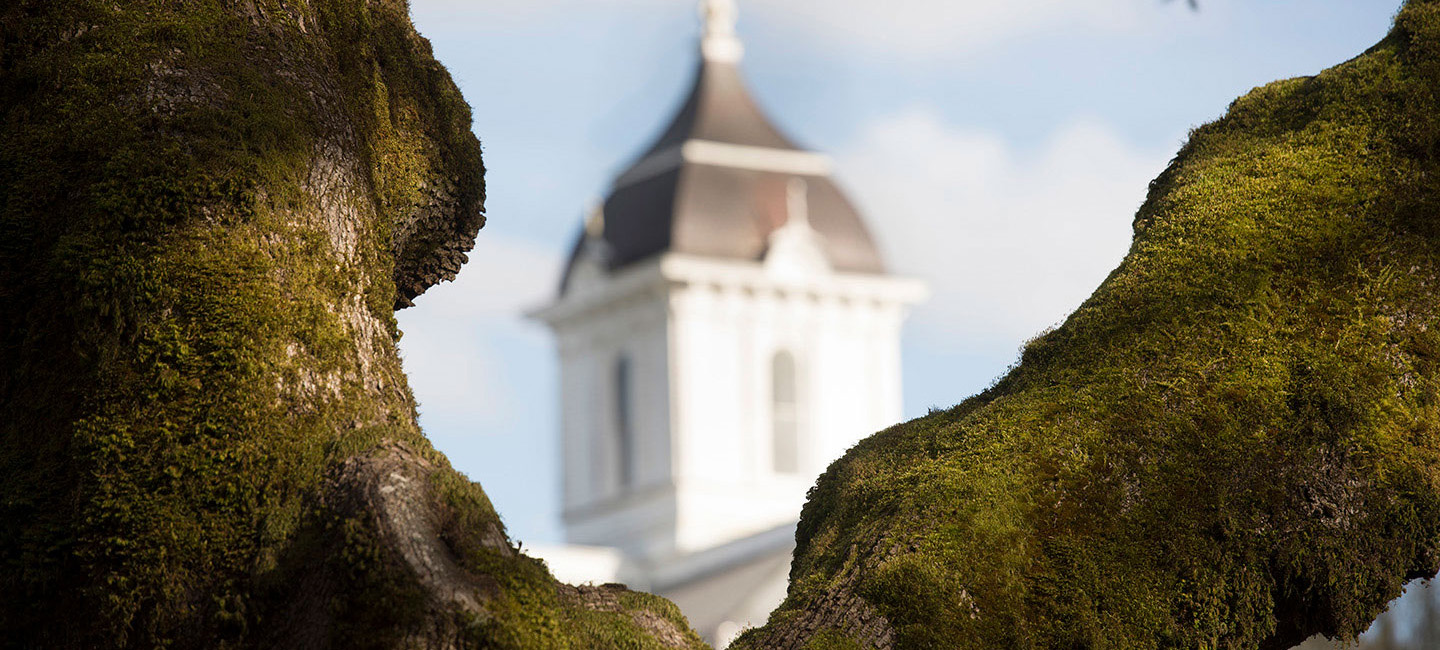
[(1234, 443), (209, 210)]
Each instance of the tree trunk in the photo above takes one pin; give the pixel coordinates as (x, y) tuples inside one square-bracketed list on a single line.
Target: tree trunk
[(211, 209)]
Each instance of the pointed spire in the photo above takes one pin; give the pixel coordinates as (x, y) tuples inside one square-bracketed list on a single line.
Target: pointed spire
[(720, 44)]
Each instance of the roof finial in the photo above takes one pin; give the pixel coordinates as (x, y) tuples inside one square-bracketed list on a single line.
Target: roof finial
[(720, 44), (719, 17)]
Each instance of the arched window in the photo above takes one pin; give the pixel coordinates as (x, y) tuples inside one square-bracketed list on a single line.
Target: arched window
[(784, 414), (624, 424)]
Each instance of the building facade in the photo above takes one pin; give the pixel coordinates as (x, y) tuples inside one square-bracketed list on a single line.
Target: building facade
[(726, 329)]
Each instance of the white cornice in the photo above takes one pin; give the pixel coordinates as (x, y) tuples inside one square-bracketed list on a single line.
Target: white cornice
[(724, 154), (635, 280), (765, 159), (665, 271), (742, 274)]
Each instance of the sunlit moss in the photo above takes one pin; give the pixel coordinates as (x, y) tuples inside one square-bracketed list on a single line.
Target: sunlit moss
[(1234, 443)]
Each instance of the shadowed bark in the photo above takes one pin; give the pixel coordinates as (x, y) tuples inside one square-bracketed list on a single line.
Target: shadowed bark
[(209, 210)]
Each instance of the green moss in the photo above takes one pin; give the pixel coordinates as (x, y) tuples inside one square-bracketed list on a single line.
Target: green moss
[(1231, 444), (531, 611), (208, 213), (832, 640), (381, 603)]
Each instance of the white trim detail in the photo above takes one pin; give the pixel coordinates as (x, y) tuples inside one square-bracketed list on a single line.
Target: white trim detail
[(764, 159), (724, 154), (658, 273)]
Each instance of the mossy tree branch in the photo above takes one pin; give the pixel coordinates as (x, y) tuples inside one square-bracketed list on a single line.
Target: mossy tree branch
[(1234, 443)]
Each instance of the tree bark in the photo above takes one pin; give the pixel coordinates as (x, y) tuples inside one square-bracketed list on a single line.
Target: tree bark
[(211, 210)]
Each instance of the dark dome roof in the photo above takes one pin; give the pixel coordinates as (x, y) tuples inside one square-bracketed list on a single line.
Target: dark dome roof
[(727, 203)]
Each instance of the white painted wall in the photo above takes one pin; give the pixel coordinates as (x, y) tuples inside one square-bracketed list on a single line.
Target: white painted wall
[(701, 335), (729, 319), (599, 321), (708, 521)]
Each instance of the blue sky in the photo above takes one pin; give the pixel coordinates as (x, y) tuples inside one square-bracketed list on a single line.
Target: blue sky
[(998, 149)]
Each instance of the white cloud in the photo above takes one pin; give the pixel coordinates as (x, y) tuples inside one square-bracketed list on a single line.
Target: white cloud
[(505, 276), (1010, 242), (455, 334)]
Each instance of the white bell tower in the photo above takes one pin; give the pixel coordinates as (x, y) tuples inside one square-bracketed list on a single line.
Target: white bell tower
[(726, 329)]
